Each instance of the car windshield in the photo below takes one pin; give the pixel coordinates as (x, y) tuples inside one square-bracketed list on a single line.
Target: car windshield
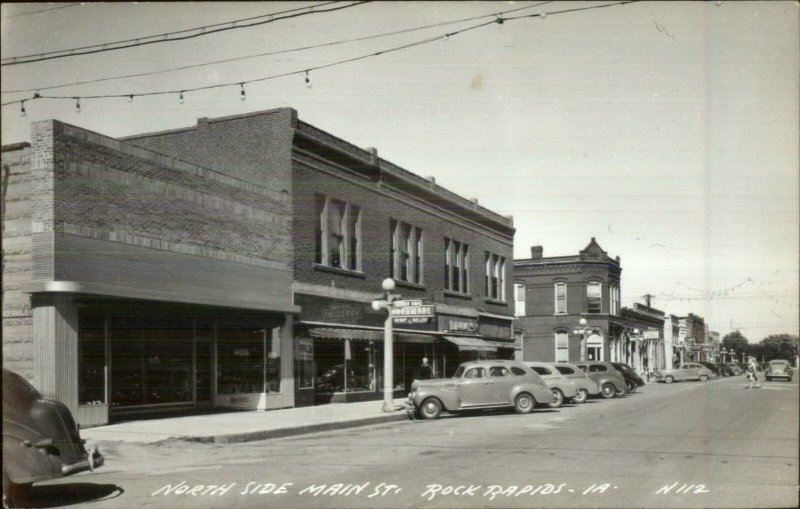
[(778, 363), (623, 367), (459, 372)]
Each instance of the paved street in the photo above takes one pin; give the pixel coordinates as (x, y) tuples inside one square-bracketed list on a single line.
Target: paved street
[(712, 444)]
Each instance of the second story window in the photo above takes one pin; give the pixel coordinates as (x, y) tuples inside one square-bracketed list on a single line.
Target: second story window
[(519, 299), (338, 233), (495, 276), (594, 298), (456, 266), (406, 253), (615, 298), (561, 298)]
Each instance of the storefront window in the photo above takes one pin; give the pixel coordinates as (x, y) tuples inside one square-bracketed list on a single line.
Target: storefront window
[(91, 361), (345, 366), (240, 359), (152, 361)]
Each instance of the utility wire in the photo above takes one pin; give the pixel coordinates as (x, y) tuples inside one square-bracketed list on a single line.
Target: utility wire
[(306, 71), (278, 52), (40, 11), (177, 36)]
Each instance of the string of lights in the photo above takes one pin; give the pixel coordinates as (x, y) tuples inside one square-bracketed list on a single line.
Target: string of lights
[(178, 36), (278, 52), (241, 84)]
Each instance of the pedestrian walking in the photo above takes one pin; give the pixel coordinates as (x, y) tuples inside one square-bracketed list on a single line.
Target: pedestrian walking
[(752, 374)]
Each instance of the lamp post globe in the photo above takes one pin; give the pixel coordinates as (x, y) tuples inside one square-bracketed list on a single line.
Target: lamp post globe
[(388, 284), (582, 321)]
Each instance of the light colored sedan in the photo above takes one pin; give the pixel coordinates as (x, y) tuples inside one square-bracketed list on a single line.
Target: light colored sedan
[(562, 387), (778, 368), (477, 385), (686, 371), (585, 385)]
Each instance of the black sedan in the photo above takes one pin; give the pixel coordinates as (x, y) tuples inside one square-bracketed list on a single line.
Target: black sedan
[(632, 380), (40, 440)]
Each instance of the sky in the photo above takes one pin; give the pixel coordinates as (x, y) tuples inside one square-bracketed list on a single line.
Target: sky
[(668, 131)]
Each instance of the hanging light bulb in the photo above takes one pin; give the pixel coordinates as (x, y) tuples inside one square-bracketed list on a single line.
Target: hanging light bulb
[(242, 94), (308, 80), (22, 109), (180, 97), (130, 98), (77, 105)]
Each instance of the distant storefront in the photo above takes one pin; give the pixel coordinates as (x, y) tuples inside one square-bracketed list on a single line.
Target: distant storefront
[(339, 348)]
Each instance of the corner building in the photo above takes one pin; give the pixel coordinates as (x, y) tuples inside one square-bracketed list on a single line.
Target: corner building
[(232, 264)]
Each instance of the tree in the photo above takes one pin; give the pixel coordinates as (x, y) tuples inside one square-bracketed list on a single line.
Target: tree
[(779, 346), (737, 343)]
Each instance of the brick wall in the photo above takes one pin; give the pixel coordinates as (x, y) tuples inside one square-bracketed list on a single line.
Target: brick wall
[(17, 206)]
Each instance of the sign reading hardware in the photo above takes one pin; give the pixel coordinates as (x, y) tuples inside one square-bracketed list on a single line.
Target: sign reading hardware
[(412, 311)]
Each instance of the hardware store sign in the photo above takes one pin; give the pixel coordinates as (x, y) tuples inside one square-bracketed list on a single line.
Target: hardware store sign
[(413, 311)]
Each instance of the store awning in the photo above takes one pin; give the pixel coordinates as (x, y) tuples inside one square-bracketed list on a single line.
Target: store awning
[(501, 344), (467, 344), (367, 335)]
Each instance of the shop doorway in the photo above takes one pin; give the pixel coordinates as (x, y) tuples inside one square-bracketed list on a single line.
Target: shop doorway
[(202, 373)]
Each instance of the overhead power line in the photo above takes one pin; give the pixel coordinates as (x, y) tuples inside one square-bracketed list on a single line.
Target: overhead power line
[(179, 35), (180, 92), (277, 52), (29, 13)]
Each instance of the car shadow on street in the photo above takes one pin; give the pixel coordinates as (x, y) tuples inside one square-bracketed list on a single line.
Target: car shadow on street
[(64, 494)]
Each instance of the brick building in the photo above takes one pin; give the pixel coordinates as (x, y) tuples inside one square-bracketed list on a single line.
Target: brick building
[(554, 293), (232, 264)]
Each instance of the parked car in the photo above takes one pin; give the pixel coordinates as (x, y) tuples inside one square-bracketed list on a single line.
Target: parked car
[(715, 373), (609, 380), (735, 368), (779, 368), (686, 371), (585, 385), (40, 440), (632, 380), (725, 370), (479, 385), (560, 385)]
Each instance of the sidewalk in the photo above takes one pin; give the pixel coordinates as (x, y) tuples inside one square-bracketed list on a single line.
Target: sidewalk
[(237, 426)]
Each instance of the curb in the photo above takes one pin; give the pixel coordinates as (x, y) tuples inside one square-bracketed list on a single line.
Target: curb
[(251, 436)]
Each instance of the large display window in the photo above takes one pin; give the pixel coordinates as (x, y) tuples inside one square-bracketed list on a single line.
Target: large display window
[(92, 361), (345, 366), (152, 361), (248, 358)]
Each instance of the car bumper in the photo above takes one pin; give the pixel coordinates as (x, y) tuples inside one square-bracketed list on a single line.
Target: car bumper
[(93, 460)]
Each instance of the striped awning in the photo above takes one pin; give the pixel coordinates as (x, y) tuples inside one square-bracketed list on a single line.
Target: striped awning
[(469, 344), (367, 335), (501, 344)]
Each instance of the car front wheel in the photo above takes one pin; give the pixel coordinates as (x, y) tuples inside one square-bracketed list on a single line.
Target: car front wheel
[(703, 378), (582, 396), (524, 403), (630, 387), (14, 495), (608, 391), (431, 408), (669, 379), (559, 399)]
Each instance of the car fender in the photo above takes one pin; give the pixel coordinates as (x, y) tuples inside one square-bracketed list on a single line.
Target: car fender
[(450, 400), (532, 389), (22, 460)]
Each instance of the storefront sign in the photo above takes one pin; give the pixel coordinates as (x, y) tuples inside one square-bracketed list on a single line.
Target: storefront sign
[(492, 330), (457, 324), (413, 311), (651, 334), (303, 349), (321, 309)]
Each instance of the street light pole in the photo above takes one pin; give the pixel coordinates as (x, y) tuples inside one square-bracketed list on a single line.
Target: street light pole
[(388, 302), (583, 339)]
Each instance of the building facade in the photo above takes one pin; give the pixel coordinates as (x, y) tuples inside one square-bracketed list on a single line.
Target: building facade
[(644, 345), (553, 294), (232, 264), (693, 337)]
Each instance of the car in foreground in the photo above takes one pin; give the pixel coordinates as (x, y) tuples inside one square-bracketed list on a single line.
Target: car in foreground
[(725, 370), (632, 380), (686, 371), (40, 440), (610, 381), (479, 385), (561, 386), (585, 385), (779, 368)]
